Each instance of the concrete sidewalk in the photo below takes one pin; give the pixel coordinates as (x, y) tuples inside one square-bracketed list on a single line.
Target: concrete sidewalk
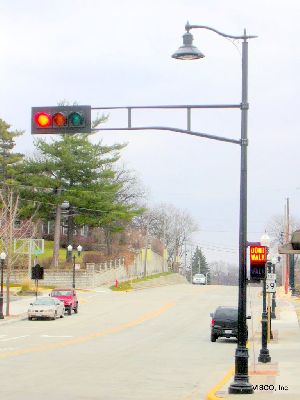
[(281, 377), (18, 309)]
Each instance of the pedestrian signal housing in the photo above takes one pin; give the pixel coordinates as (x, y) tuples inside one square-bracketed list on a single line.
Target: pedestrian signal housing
[(61, 120), (258, 259)]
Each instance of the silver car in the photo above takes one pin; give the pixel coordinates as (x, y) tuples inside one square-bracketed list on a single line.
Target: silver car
[(46, 307), (199, 279)]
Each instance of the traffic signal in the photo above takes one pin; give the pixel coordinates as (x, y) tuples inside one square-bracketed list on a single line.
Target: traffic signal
[(61, 120), (37, 272)]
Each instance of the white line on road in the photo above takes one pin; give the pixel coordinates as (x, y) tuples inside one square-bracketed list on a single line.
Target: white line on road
[(56, 336), (13, 338), (2, 349)]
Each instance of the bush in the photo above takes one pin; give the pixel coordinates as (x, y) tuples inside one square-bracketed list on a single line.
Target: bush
[(27, 285)]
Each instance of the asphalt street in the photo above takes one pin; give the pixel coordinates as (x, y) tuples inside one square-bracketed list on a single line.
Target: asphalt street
[(144, 345)]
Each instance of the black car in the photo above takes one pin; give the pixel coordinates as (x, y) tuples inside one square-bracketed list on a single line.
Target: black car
[(224, 323)]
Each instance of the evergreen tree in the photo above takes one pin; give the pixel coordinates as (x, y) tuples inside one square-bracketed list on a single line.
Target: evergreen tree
[(199, 264), (80, 173)]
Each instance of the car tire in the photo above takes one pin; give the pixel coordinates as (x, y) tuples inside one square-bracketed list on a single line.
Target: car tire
[(213, 337), (29, 318), (76, 309), (70, 310)]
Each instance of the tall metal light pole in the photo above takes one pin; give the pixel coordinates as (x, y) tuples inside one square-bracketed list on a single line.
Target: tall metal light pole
[(189, 52), (264, 355), (273, 313), (2, 258)]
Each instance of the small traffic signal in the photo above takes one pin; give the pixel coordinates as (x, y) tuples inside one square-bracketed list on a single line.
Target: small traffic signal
[(37, 272), (61, 120)]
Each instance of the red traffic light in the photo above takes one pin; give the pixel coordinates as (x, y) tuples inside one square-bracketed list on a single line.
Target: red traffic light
[(43, 120)]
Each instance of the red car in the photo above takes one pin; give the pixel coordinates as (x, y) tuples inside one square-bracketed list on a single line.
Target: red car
[(68, 296)]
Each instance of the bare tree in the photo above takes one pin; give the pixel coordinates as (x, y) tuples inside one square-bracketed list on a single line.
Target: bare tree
[(10, 201), (276, 228), (170, 225)]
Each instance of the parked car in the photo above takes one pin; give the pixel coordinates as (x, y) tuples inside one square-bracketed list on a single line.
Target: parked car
[(46, 308), (68, 297), (224, 323), (199, 279)]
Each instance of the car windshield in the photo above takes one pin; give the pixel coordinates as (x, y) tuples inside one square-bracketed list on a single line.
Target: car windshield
[(230, 313), (44, 301), (61, 293), (199, 276)]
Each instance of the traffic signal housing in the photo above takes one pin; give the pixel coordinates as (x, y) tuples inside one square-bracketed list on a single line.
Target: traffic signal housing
[(61, 120), (37, 272)]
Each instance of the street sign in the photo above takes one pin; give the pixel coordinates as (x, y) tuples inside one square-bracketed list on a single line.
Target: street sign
[(270, 286), (271, 276)]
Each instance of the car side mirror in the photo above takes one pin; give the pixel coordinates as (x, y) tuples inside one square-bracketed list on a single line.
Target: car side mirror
[(249, 317)]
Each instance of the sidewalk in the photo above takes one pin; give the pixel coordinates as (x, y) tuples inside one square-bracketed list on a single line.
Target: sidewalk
[(18, 309), (280, 378)]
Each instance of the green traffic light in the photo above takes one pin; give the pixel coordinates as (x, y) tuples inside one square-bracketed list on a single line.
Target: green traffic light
[(76, 119)]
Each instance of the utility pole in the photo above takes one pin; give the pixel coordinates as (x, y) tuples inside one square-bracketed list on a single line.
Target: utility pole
[(287, 256), (57, 224)]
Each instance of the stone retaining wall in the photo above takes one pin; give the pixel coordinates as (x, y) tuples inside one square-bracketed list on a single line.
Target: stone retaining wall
[(98, 274)]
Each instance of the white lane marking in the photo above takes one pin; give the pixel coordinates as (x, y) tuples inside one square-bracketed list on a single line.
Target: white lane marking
[(13, 338), (56, 336)]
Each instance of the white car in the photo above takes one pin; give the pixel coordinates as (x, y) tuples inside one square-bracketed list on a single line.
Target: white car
[(46, 307), (199, 279)]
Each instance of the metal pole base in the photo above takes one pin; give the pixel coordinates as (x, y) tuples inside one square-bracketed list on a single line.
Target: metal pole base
[(240, 387), (273, 315), (264, 356)]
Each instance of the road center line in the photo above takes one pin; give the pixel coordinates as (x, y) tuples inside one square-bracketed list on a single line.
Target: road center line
[(13, 338), (82, 339), (56, 336)]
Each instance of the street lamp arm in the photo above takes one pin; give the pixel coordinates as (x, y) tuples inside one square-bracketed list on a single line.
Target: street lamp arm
[(165, 128), (188, 27)]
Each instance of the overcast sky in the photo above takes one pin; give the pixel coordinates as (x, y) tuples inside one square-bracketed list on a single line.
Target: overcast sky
[(118, 53)]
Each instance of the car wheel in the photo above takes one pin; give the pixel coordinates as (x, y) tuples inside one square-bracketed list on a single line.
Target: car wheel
[(213, 337), (62, 314), (29, 318), (76, 309), (70, 310)]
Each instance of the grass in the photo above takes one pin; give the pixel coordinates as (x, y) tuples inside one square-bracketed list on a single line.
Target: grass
[(125, 286), (48, 253)]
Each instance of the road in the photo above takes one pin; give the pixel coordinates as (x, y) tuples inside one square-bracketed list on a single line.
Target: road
[(150, 344)]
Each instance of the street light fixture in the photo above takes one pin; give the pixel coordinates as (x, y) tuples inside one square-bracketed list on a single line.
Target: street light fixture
[(79, 250), (264, 355), (2, 258), (189, 52)]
